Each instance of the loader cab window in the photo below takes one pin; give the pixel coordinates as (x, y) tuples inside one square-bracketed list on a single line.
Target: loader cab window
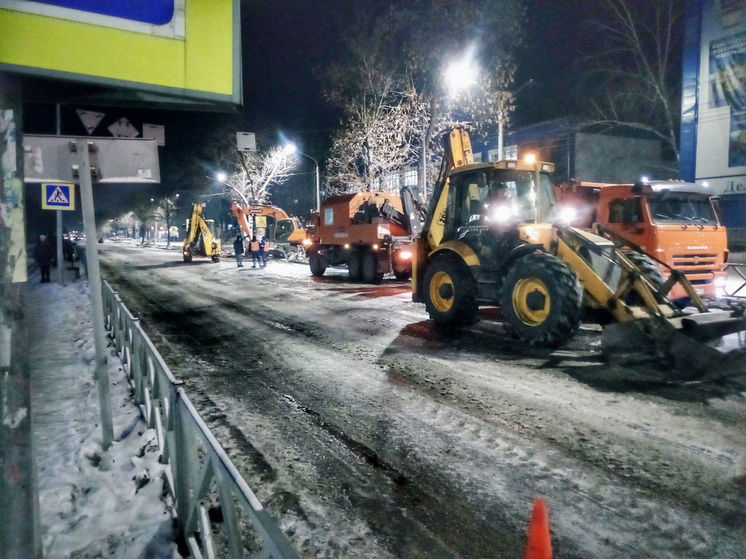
[(328, 216), (465, 201), (477, 197)]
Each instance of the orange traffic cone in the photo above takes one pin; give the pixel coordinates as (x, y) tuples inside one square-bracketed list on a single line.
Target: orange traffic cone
[(539, 544)]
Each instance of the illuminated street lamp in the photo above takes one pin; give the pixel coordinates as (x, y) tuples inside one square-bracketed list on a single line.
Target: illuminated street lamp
[(461, 74), (291, 148), (221, 176)]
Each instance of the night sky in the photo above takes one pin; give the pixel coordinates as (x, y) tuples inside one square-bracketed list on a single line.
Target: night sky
[(286, 48)]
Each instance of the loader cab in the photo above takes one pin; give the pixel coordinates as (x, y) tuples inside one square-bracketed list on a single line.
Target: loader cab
[(484, 197)]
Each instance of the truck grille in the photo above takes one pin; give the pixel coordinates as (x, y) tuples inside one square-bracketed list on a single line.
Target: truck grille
[(695, 265)]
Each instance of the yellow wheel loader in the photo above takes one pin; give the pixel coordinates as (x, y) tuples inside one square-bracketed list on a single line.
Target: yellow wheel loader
[(490, 237), (200, 237)]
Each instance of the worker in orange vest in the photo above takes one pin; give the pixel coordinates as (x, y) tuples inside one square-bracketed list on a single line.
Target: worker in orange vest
[(254, 248)]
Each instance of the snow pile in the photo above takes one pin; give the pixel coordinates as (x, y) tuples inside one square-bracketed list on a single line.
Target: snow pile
[(92, 503)]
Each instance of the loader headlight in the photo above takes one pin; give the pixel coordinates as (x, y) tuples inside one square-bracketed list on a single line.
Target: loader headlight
[(405, 254), (502, 213), (307, 242), (567, 214)]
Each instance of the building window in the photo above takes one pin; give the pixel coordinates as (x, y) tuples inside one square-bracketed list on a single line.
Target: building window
[(478, 157), (511, 152), (410, 177), (492, 154)]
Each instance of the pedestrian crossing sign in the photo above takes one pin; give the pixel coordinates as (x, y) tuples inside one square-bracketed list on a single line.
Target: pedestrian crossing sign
[(57, 196)]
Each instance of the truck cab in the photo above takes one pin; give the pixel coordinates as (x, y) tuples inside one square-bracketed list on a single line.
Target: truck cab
[(672, 221)]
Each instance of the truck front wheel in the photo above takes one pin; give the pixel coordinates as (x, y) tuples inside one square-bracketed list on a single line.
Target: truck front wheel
[(354, 265), (541, 300), (317, 264), (370, 268)]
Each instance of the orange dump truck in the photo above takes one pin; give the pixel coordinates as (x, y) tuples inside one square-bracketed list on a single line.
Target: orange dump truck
[(674, 222), (368, 232)]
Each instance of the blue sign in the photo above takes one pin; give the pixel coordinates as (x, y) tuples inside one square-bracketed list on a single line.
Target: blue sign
[(57, 196), (155, 12)]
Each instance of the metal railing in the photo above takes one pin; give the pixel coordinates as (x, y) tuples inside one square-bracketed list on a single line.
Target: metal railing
[(740, 270), (217, 512)]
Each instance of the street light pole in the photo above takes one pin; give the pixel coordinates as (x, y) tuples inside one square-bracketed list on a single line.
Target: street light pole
[(318, 189), (292, 148)]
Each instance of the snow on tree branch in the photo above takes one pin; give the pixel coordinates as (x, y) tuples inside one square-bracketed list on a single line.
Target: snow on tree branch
[(257, 171)]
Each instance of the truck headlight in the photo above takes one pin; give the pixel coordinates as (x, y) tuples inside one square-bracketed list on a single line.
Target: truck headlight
[(307, 242), (405, 254)]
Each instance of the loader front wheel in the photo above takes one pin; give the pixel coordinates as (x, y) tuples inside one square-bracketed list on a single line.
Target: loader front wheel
[(450, 292), (648, 267), (542, 300), (354, 266), (317, 264)]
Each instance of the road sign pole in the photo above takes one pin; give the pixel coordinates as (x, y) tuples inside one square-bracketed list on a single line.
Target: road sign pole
[(94, 286), (60, 256)]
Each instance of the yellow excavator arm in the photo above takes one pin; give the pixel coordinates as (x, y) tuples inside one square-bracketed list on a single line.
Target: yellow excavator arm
[(200, 237)]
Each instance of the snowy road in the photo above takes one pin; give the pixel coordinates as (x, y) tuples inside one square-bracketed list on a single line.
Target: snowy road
[(366, 433)]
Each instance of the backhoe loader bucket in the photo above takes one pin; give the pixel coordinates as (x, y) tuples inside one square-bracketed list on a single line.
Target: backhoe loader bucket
[(691, 343)]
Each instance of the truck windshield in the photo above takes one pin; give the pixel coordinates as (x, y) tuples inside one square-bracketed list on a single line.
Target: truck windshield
[(681, 208)]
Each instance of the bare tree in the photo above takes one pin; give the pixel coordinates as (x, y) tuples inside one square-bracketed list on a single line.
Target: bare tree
[(166, 211), (412, 44), (256, 172), (374, 141), (636, 68)]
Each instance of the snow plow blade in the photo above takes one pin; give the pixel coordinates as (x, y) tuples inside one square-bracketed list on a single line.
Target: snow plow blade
[(702, 346), (693, 343)]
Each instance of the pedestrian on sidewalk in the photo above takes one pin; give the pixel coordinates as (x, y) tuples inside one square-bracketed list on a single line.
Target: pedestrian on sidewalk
[(238, 249), (263, 252), (254, 248), (43, 253)]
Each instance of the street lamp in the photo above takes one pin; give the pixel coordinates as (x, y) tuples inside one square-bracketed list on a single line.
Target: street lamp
[(461, 74), (221, 176), (292, 148)]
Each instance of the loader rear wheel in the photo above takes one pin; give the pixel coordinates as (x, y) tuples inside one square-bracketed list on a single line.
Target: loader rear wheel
[(370, 268), (317, 264), (450, 292), (354, 265), (542, 300)]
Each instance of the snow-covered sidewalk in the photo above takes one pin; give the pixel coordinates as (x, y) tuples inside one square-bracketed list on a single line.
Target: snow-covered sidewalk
[(92, 503)]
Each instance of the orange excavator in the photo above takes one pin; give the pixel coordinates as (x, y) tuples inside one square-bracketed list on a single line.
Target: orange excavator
[(284, 233)]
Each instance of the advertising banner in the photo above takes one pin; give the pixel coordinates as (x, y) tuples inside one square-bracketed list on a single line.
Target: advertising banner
[(721, 97)]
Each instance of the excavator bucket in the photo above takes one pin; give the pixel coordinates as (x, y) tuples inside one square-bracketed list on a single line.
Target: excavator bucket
[(693, 343)]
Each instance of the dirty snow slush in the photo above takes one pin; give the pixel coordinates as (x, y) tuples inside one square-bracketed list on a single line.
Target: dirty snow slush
[(367, 433)]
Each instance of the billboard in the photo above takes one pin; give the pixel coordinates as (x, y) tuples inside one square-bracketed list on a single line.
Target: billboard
[(713, 130), (188, 48)]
